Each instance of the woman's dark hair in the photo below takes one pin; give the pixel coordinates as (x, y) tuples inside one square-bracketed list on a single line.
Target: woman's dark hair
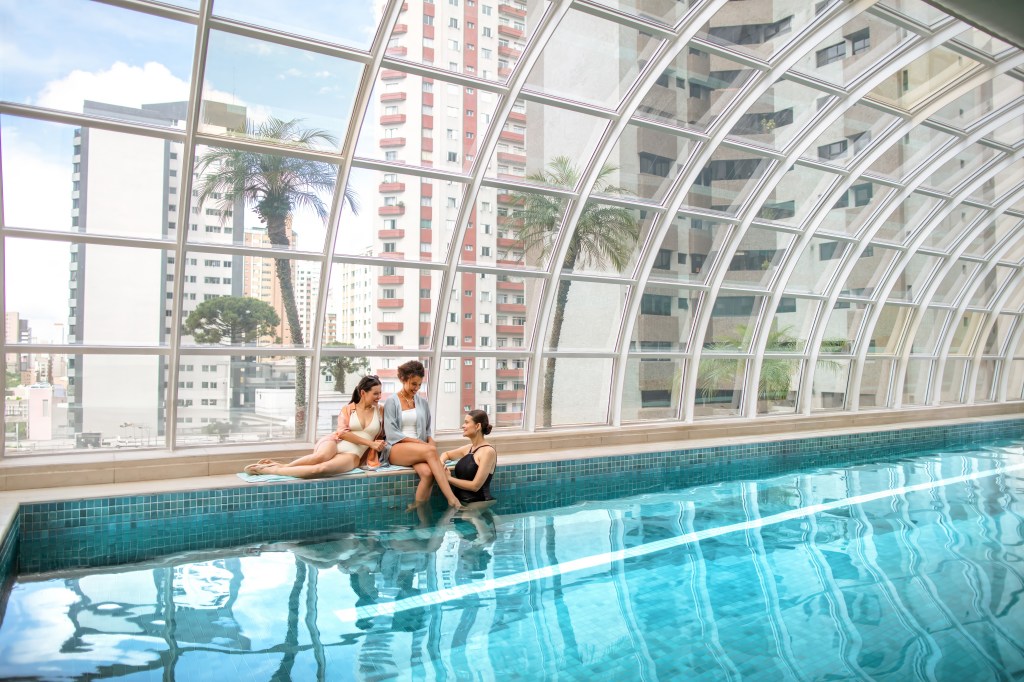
[(481, 418), (365, 384), (413, 368)]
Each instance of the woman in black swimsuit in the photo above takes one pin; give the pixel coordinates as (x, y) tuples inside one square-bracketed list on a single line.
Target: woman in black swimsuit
[(474, 463)]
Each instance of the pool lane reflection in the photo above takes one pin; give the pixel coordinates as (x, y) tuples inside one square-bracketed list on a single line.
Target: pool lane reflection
[(921, 581)]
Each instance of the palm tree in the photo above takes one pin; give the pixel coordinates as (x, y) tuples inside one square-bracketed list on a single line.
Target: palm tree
[(605, 235), (273, 185)]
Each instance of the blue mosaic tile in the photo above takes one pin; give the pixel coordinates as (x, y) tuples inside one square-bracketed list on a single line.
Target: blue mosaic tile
[(81, 533)]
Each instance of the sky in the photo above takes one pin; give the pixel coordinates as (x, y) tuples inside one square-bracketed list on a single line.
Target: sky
[(58, 53)]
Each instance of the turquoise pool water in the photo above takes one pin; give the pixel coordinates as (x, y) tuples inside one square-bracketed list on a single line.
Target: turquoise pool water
[(909, 569)]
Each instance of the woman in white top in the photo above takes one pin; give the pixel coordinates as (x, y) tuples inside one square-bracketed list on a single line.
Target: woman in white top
[(408, 430), (357, 442)]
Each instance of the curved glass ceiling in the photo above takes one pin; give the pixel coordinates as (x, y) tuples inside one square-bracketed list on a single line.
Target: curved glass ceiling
[(216, 215)]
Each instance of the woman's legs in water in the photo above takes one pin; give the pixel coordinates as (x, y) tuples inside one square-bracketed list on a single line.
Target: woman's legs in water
[(338, 464), (426, 482), (409, 453)]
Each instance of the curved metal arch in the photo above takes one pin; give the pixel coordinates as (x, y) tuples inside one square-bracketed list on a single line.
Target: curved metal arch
[(993, 317), (908, 52), (950, 261), (676, 194), (667, 51), (889, 137), (878, 302), (541, 35), (1006, 363)]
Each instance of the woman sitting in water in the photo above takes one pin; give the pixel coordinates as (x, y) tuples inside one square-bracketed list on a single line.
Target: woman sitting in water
[(357, 442), (474, 463), (409, 432)]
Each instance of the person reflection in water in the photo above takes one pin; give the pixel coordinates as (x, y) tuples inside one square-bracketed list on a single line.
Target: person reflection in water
[(474, 463)]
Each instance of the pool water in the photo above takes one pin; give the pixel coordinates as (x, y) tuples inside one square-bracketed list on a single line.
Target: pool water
[(910, 569)]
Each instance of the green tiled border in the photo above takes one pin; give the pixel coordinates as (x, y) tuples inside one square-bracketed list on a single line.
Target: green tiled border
[(80, 533)]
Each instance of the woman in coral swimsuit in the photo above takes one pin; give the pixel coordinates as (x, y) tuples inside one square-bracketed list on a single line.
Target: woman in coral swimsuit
[(357, 442)]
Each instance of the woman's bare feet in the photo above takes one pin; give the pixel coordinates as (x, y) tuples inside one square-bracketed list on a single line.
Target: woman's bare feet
[(258, 467)]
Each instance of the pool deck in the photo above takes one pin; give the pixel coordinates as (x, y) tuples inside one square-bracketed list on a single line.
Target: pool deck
[(51, 478)]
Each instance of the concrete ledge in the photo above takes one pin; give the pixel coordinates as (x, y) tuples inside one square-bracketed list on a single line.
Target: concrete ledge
[(123, 466)]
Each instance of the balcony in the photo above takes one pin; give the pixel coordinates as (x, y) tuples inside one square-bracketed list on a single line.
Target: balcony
[(391, 303), (508, 263), (391, 234), (400, 29), (392, 97), (509, 136), (510, 307), (387, 373), (510, 373), (511, 286), (511, 10), (397, 51), (386, 187), (389, 326), (392, 119), (392, 255), (397, 209), (391, 279), (510, 329), (392, 142), (508, 419), (507, 242), (515, 159), (392, 75), (509, 52), (504, 72), (519, 116), (509, 32), (510, 395)]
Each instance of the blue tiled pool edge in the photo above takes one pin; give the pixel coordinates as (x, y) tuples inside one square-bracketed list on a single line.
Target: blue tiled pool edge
[(91, 532)]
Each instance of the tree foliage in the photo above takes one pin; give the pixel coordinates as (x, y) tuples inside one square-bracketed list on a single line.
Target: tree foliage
[(340, 367), (237, 319), (604, 236), (274, 185)]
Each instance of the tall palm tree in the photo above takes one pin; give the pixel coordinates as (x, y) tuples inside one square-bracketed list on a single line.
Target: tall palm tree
[(605, 235), (274, 185)]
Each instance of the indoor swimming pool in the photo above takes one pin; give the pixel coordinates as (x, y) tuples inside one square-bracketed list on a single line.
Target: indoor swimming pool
[(906, 568)]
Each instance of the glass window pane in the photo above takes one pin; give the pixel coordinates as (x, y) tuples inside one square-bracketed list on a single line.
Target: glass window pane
[(985, 384), (910, 151), (58, 177), (539, 152), (959, 168), (953, 380), (695, 89), (791, 325), (965, 332), (665, 319), (798, 191), (980, 40), (817, 265), (915, 383), (778, 385), (929, 331), (608, 239), (719, 387), (348, 23), (888, 332), (308, 107), (981, 243), (578, 65), (649, 160), (483, 320), (385, 306), (731, 326), (868, 271), (92, 402), (999, 335), (912, 279), (855, 208), (96, 294), (917, 10), (856, 47), (689, 250), (651, 388), (778, 115), (587, 315), (1009, 133), (916, 83), (757, 258), (990, 286), (760, 28), (726, 180), (338, 377), (237, 398), (875, 382), (905, 220), (828, 389), (974, 105), (953, 285), (495, 385), (576, 390), (846, 138), (528, 225), (843, 326), (235, 187), (1015, 382), (996, 188), (666, 12), (60, 54), (940, 235)]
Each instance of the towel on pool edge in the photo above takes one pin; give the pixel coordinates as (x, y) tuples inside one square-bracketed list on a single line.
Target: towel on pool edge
[(274, 478)]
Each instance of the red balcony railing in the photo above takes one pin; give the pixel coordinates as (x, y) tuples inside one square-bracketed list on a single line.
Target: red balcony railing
[(390, 302), (386, 187), (509, 32), (510, 329), (391, 279), (511, 10), (391, 234), (509, 373), (389, 326), (392, 119), (392, 97), (509, 136), (391, 210)]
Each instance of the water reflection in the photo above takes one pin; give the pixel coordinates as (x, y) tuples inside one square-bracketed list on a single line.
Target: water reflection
[(916, 584)]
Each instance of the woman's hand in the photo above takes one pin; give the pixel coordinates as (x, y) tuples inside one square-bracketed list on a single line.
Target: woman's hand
[(377, 445)]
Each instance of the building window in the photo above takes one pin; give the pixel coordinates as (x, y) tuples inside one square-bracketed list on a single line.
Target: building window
[(827, 152), (663, 260), (860, 41), (655, 304), (832, 53)]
